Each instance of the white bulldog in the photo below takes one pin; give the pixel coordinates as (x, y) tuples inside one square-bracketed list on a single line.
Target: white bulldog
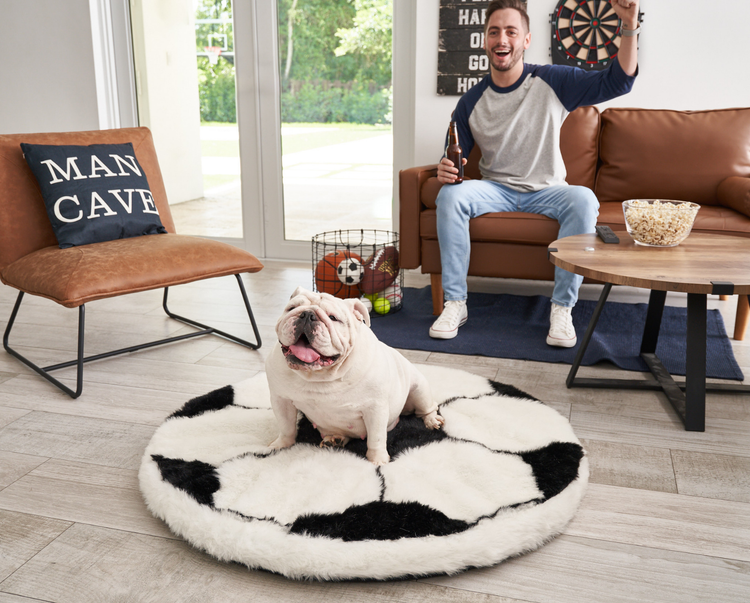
[(331, 366)]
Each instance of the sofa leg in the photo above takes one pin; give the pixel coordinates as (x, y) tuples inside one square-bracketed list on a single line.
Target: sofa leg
[(742, 318), (436, 284)]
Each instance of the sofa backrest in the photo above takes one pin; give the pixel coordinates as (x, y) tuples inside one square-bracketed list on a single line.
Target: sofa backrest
[(24, 224), (579, 145), (647, 153)]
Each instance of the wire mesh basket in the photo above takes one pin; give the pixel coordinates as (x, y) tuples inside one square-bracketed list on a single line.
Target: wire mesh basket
[(359, 263)]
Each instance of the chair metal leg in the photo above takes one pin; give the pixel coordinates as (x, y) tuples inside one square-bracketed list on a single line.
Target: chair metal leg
[(80, 360), (44, 372), (206, 330)]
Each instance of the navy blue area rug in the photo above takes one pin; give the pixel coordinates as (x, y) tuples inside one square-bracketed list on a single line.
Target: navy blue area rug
[(515, 326)]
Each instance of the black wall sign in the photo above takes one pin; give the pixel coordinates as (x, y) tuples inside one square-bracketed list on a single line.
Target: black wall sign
[(462, 61)]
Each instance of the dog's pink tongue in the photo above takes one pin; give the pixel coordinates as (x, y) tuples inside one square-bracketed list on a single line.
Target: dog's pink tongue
[(303, 351)]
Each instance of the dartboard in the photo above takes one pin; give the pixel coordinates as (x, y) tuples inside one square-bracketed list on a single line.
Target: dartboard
[(585, 33)]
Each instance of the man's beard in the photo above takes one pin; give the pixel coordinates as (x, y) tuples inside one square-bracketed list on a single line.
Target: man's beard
[(515, 56)]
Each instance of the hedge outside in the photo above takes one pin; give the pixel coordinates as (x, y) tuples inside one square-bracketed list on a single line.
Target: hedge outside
[(317, 102)]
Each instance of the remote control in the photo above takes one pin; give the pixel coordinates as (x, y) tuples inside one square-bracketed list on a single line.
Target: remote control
[(606, 234)]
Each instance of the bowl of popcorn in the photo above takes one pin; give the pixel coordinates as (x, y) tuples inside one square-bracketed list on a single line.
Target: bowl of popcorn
[(659, 222)]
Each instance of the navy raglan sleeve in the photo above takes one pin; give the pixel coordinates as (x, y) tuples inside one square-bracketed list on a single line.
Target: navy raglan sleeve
[(577, 87)]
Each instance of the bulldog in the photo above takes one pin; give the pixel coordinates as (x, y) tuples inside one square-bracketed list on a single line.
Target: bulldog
[(329, 365)]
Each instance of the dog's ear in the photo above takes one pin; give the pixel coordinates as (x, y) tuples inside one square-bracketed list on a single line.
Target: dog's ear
[(298, 291), (359, 310)]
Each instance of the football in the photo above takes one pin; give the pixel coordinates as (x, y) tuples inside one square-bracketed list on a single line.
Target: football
[(350, 270), (381, 269), (327, 278)]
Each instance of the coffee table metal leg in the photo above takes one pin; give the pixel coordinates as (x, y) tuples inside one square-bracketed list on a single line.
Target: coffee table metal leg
[(695, 368), (653, 321), (687, 398), (587, 336)]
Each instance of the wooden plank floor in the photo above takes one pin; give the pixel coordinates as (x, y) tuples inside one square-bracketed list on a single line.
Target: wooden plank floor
[(666, 517)]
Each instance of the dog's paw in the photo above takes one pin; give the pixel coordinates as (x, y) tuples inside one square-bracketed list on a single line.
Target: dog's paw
[(334, 441), (433, 420), (378, 457), (281, 442)]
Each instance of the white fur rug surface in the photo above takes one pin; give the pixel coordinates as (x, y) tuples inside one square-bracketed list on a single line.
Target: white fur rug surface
[(505, 475)]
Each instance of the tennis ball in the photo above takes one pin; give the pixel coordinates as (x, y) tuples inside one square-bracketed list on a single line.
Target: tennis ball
[(381, 305)]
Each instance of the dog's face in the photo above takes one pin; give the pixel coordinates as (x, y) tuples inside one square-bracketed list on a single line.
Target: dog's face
[(317, 330)]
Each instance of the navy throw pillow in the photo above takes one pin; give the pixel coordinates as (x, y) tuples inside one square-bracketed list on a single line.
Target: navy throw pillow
[(93, 193)]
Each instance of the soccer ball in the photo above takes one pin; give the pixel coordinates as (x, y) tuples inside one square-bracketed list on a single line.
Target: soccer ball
[(350, 271)]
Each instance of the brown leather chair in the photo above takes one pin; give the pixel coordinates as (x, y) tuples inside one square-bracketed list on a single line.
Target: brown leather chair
[(32, 262)]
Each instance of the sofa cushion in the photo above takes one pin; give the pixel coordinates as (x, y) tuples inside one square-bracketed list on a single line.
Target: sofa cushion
[(508, 227), (671, 154)]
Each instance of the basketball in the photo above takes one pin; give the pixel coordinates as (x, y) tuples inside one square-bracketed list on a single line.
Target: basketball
[(327, 274)]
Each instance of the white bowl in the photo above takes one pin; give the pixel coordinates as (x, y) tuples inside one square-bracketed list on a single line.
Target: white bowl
[(659, 222)]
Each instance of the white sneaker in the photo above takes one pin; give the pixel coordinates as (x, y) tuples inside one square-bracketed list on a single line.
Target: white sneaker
[(454, 315), (561, 331)]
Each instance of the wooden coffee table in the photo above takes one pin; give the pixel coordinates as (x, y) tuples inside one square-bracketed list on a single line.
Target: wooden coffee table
[(702, 264)]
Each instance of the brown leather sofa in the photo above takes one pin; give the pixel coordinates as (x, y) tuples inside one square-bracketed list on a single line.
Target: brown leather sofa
[(700, 156)]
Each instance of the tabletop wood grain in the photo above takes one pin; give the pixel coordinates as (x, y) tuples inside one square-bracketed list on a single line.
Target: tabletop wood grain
[(690, 267)]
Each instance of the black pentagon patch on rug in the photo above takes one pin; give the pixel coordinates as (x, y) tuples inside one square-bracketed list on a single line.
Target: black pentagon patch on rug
[(381, 520), (198, 479), (555, 466), (410, 432), (509, 390), (215, 400)]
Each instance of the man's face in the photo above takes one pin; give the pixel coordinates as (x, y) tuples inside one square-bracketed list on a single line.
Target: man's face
[(506, 39)]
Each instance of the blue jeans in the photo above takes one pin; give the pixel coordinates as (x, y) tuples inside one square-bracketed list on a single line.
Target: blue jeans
[(575, 207)]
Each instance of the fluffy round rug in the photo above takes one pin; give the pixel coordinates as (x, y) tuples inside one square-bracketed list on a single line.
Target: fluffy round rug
[(505, 475)]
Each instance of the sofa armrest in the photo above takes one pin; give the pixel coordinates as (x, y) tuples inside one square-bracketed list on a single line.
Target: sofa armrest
[(734, 192), (410, 185)]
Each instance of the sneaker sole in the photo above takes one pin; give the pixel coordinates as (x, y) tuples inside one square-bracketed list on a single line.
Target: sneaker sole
[(561, 343), (447, 334)]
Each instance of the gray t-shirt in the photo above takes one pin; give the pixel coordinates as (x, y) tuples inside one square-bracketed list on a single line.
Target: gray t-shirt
[(518, 128)]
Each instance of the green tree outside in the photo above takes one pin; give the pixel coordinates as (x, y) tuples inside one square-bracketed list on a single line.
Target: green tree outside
[(334, 57)]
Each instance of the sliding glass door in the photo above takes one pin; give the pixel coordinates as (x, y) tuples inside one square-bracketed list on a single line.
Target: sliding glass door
[(286, 131)]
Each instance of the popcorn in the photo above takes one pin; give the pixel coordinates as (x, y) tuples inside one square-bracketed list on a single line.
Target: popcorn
[(659, 223)]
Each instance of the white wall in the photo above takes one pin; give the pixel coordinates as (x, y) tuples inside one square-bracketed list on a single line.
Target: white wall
[(47, 81), (693, 55), (48, 78)]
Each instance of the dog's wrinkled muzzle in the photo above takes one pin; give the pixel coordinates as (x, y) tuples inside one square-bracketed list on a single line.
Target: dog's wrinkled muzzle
[(302, 354)]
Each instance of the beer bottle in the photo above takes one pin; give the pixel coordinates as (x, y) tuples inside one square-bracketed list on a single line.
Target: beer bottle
[(454, 152)]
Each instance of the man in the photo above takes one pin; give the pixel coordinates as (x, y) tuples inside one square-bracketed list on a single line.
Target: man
[(514, 114)]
